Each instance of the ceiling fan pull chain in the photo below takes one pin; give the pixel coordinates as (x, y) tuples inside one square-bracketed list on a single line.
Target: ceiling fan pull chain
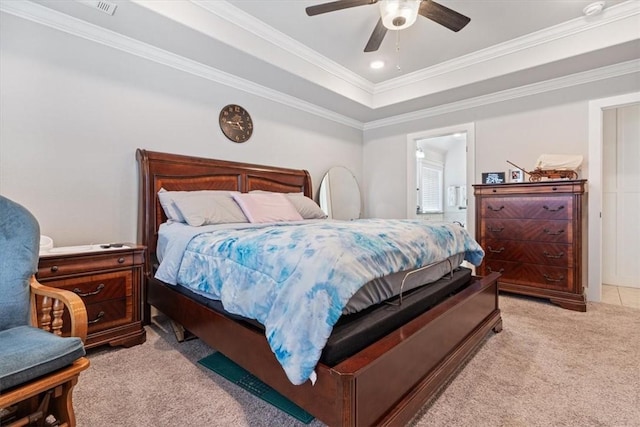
[(398, 50)]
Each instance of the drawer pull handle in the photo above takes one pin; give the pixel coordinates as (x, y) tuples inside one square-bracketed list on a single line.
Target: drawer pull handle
[(553, 210), (54, 268), (491, 208), (97, 319), (88, 294), (496, 251), (120, 260), (499, 271), (548, 255), (549, 279), (552, 233), (495, 229)]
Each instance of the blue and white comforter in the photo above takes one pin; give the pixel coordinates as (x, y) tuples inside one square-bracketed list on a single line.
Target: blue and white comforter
[(295, 278)]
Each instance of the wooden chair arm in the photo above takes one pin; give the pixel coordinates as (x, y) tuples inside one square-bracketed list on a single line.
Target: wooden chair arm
[(54, 302)]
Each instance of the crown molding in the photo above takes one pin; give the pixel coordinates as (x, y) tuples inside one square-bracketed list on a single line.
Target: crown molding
[(575, 26), (584, 77), (63, 22), (70, 25), (247, 22)]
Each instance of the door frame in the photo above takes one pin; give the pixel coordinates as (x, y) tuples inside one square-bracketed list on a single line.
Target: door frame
[(412, 138), (594, 264)]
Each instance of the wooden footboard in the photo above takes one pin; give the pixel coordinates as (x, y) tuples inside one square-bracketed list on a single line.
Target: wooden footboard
[(385, 384)]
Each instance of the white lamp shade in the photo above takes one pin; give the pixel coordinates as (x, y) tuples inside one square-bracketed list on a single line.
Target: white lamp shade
[(399, 14)]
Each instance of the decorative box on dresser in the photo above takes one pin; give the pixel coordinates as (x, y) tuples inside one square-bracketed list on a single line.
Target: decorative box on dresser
[(534, 234), (110, 283)]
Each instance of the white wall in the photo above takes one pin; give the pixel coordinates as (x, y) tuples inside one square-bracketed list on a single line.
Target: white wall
[(73, 112), (518, 130)]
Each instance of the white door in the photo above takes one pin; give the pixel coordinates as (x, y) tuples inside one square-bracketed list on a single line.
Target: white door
[(621, 196)]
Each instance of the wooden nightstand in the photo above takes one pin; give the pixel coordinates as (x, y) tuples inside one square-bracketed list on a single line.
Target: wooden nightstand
[(110, 283)]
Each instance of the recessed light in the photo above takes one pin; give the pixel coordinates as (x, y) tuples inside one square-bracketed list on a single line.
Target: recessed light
[(593, 8), (376, 64)]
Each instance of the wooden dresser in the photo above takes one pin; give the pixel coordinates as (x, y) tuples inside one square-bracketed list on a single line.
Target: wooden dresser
[(110, 284), (534, 234)]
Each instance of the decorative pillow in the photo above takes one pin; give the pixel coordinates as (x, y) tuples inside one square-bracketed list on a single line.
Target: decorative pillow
[(267, 207), (305, 206), (168, 201), (216, 208)]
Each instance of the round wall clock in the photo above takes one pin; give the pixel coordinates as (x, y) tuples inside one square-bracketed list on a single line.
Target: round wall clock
[(236, 123)]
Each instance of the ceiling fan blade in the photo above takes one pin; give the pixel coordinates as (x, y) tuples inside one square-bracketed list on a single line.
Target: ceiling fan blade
[(376, 37), (443, 15), (337, 5)]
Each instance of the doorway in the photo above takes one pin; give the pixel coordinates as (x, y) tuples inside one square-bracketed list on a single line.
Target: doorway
[(621, 196), (454, 146), (596, 119)]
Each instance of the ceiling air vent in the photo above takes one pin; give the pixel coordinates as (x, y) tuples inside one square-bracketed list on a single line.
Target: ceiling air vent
[(102, 5)]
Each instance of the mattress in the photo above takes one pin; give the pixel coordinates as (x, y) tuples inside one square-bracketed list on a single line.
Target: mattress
[(354, 332), (383, 288)]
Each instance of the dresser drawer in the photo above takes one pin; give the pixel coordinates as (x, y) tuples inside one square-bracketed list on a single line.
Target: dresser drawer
[(555, 254), (500, 207), (546, 231), (60, 266), (508, 269), (539, 276), (538, 207), (547, 277), (553, 208), (525, 230)]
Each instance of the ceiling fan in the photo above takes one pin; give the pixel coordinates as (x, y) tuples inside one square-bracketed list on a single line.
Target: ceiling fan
[(397, 15)]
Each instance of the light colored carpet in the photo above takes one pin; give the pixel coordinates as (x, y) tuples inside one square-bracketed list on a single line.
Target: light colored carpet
[(548, 367)]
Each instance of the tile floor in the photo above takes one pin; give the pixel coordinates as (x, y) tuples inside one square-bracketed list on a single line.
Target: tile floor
[(618, 295)]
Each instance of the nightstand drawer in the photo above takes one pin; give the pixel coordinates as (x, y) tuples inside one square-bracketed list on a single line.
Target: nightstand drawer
[(63, 266), (99, 287), (108, 314)]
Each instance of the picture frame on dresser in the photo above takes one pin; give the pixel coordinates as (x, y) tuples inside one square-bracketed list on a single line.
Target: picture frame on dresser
[(516, 175), (493, 178)]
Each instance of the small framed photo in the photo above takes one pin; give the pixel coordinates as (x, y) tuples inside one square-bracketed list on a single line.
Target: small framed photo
[(493, 178), (516, 175)]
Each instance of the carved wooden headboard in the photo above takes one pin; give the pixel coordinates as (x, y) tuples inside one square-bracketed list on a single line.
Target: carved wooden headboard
[(175, 172)]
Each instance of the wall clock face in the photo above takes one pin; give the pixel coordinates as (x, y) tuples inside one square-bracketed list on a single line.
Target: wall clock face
[(236, 123)]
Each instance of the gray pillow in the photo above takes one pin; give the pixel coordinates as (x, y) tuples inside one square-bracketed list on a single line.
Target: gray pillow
[(306, 207), (212, 208)]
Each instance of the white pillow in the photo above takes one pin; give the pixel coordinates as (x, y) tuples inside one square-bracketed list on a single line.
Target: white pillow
[(217, 208), (305, 206), (168, 198), (267, 207)]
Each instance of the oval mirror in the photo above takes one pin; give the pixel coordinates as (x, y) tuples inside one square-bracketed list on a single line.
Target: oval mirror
[(339, 194)]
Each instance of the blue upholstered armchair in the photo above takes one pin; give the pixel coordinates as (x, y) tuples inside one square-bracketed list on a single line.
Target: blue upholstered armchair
[(38, 366)]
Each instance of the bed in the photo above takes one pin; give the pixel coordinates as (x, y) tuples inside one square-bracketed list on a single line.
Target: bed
[(385, 383)]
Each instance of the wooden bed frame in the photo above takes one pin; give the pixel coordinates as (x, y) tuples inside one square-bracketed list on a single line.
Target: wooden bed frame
[(387, 383)]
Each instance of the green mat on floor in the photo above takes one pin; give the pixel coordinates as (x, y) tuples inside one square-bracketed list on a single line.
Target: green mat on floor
[(222, 365)]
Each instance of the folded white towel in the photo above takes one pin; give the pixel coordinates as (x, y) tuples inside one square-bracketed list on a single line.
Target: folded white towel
[(559, 161)]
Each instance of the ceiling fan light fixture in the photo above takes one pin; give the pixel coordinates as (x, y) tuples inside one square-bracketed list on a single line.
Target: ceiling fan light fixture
[(399, 14)]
